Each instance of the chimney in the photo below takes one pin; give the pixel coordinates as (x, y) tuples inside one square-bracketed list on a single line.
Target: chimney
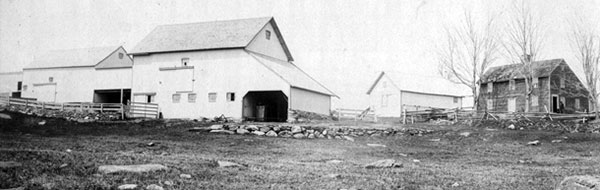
[(526, 58)]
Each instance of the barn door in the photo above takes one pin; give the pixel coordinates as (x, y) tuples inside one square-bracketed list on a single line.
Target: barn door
[(512, 104), (45, 93)]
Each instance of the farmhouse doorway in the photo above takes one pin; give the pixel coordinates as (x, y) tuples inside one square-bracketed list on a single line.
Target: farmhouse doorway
[(270, 106), (555, 105), (112, 95)]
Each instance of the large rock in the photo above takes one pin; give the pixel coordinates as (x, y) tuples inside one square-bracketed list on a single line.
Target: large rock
[(216, 127), (130, 168), (264, 129), (251, 128), (154, 187), (298, 135), (387, 163), (242, 131), (127, 186), (296, 129), (582, 182), (226, 164), (285, 134), (223, 131), (271, 134), (259, 133), (9, 164), (5, 116)]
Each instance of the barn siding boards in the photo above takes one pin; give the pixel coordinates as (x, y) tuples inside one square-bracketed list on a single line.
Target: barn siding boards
[(271, 47), (9, 82), (309, 101)]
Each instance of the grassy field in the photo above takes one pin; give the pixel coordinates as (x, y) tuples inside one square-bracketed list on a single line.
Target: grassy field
[(487, 159)]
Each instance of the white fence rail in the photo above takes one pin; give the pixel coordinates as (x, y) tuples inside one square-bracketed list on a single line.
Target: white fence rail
[(356, 114), (100, 107), (143, 110)]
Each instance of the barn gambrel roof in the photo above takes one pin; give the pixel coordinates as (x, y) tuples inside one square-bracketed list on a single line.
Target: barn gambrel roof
[(228, 34)]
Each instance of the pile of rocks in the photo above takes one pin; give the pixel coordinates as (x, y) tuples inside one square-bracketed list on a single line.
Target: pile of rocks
[(311, 132), (73, 115), (547, 125)]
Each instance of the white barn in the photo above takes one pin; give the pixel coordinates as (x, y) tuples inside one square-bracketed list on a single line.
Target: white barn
[(236, 68), (98, 74), (10, 84), (392, 90)]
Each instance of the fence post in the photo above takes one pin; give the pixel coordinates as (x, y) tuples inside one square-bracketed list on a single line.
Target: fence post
[(101, 108), (404, 117), (26, 103), (62, 107), (122, 112), (81, 106), (43, 105), (8, 100)]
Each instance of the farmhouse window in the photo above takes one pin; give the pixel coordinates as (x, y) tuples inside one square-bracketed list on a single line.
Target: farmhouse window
[(121, 55), (191, 97), (230, 96), (577, 103), (176, 98), (563, 101), (19, 85), (511, 84), (384, 100), (185, 61), (534, 100), (535, 82), (562, 82), (212, 97), (490, 104), (268, 34), (490, 87)]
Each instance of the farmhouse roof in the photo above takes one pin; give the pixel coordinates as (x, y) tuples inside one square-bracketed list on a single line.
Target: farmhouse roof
[(515, 71), (422, 84), (83, 57), (293, 75), (212, 35)]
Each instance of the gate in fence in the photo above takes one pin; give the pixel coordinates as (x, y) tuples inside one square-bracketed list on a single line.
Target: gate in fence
[(143, 110)]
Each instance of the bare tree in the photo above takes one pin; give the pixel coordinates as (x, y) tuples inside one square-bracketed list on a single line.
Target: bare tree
[(586, 43), (524, 39), (467, 52)]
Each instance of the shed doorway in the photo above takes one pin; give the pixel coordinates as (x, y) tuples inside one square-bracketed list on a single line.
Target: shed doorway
[(269, 106), (112, 96)]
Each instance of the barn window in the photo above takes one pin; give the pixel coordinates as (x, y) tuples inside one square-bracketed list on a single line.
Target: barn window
[(534, 100), (455, 100), (511, 84), (268, 34), (149, 98), (191, 98), (562, 82), (24, 87), (490, 104), (490, 87), (230, 96), (577, 104), (535, 82), (121, 55), (212, 97), (50, 79), (384, 100), (19, 85), (176, 98), (185, 61), (384, 84)]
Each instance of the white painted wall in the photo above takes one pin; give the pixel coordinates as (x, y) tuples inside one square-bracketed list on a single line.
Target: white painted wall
[(219, 71), (8, 82), (310, 101), (271, 47), (437, 101), (73, 84), (384, 88)]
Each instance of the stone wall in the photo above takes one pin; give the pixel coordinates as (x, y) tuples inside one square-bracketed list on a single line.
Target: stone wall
[(73, 115)]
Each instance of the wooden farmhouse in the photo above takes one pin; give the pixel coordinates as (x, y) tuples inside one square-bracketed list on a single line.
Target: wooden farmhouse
[(503, 88), (237, 68), (99, 74), (10, 84), (393, 92)]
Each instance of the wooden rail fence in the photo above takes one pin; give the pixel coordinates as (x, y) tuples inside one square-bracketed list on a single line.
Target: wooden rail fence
[(357, 114), (83, 106), (143, 110)]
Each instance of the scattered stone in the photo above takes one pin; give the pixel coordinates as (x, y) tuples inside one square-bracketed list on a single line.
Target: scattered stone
[(349, 138), (169, 183), (557, 141), (298, 135), (5, 116), (277, 128), (376, 145), (242, 131), (48, 185), (465, 134), (334, 161), (336, 176), (226, 164), (259, 133), (43, 122), (63, 166), (271, 134), (311, 136), (489, 129), (127, 186), (387, 163), (455, 184), (251, 128), (150, 144), (185, 176), (534, 143), (511, 126), (583, 182), (524, 161), (107, 169), (68, 150), (264, 129), (9, 164), (285, 134), (416, 161), (216, 127), (434, 140), (403, 155), (296, 129), (154, 187), (222, 131), (324, 132)]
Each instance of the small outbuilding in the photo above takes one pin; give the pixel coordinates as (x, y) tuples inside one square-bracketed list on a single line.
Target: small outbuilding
[(10, 84)]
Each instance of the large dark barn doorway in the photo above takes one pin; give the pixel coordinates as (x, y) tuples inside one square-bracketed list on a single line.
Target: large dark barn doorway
[(270, 106), (112, 96)]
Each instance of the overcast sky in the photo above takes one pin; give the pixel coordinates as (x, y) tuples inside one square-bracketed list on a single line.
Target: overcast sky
[(343, 44)]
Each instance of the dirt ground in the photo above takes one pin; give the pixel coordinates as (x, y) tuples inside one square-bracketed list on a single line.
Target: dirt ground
[(485, 159)]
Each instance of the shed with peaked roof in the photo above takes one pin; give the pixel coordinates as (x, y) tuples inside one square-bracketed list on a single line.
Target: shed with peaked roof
[(236, 68), (503, 88), (95, 74)]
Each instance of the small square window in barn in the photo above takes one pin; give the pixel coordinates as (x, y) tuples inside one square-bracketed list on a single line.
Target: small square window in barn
[(121, 55), (191, 98), (490, 87), (511, 84), (24, 87), (50, 79), (185, 61), (455, 100), (176, 98), (577, 103), (268, 34), (230, 96), (384, 84), (149, 98), (212, 97), (19, 85), (535, 82)]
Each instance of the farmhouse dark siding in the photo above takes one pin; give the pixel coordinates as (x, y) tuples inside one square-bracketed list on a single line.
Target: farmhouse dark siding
[(548, 74)]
